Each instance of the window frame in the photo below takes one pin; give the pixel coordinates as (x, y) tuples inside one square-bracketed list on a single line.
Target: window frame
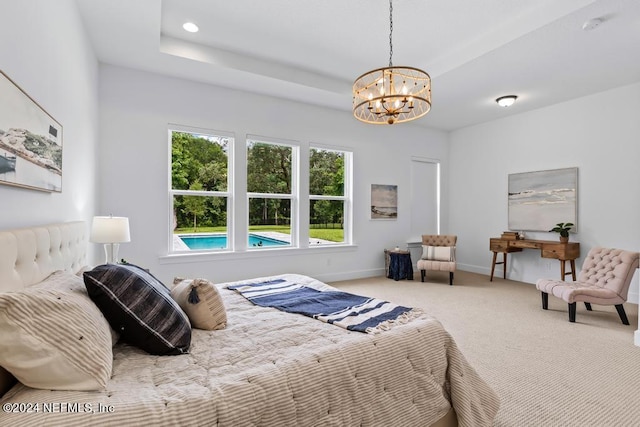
[(347, 194), (238, 197), (228, 194), (293, 197)]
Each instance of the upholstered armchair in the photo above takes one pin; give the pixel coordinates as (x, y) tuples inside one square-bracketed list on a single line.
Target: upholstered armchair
[(604, 279), (438, 254)]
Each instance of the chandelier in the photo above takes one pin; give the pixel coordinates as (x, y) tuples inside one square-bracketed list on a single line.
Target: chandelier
[(392, 94)]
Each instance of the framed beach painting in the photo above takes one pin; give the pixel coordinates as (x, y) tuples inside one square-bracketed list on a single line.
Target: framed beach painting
[(30, 141), (539, 200), (384, 201)]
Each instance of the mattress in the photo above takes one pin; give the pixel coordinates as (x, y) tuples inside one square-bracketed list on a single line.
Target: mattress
[(271, 368)]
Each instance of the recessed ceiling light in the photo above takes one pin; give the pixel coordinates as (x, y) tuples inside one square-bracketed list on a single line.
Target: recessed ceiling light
[(190, 27), (591, 24), (506, 101)]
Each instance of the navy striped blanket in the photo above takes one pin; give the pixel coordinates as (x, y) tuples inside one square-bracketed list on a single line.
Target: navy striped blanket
[(349, 311)]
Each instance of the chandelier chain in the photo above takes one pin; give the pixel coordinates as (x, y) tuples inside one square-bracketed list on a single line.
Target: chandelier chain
[(390, 33)]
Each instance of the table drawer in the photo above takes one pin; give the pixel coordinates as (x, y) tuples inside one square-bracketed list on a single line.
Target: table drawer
[(497, 245), (527, 244), (561, 251), (553, 253)]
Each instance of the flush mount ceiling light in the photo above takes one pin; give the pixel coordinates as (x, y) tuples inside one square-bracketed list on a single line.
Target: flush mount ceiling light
[(392, 94), (506, 101), (190, 27)]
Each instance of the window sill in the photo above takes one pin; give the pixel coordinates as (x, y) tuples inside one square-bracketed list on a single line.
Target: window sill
[(179, 258)]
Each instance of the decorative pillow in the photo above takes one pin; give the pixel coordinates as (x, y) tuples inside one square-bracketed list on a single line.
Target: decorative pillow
[(200, 299), (55, 339), (140, 308), (67, 282), (437, 253)]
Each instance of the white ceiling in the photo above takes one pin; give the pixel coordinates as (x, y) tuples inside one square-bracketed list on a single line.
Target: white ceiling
[(312, 50)]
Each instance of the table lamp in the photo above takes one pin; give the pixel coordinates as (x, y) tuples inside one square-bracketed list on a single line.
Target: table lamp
[(110, 230)]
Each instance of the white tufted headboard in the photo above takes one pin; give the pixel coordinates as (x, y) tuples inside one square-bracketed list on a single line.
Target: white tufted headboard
[(29, 255)]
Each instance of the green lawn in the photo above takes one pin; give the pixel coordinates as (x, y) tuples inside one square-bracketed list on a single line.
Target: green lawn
[(331, 234)]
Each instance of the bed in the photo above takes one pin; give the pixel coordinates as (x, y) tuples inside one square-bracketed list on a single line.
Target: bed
[(265, 368)]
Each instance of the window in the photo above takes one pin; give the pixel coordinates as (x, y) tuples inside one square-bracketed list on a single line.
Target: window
[(209, 212), (200, 190), (328, 196), (271, 192)]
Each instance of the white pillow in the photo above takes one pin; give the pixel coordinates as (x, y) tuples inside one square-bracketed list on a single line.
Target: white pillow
[(437, 253), (55, 339)]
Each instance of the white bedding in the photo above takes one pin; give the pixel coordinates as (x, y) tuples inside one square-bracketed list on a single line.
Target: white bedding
[(270, 368)]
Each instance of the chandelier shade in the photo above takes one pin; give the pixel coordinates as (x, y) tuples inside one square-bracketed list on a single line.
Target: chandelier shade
[(391, 95)]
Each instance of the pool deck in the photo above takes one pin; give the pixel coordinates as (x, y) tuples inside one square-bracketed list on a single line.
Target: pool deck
[(179, 245), (287, 237)]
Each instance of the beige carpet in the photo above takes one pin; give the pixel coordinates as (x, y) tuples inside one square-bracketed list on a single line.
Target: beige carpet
[(546, 370)]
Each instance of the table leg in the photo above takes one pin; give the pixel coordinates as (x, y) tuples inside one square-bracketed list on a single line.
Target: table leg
[(562, 269), (493, 265), (504, 261), (573, 269)]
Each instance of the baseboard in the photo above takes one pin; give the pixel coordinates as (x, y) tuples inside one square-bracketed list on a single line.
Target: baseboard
[(474, 269), (636, 338), (348, 275)]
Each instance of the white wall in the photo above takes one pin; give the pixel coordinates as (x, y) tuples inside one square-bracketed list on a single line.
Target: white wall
[(599, 134), (135, 110), (44, 49)]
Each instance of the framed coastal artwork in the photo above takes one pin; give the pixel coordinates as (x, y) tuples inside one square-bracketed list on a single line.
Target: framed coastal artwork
[(30, 141), (539, 200), (384, 201)]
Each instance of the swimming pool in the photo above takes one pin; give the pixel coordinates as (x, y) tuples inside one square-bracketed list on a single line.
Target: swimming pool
[(217, 241)]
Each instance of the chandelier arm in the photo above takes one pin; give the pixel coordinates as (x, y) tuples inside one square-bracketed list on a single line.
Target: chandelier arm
[(389, 109), (384, 98)]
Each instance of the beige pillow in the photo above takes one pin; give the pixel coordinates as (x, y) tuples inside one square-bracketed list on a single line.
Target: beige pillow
[(65, 281), (55, 339), (200, 299), (437, 253)]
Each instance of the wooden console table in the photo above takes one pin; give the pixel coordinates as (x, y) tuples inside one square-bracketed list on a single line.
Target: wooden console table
[(554, 249)]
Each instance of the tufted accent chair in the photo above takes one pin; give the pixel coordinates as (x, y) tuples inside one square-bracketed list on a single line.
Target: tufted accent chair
[(604, 279), (438, 263)]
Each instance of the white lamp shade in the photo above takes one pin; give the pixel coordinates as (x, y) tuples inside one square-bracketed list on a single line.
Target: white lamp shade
[(110, 229)]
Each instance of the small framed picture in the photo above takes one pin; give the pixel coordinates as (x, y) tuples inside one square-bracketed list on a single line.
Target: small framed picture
[(384, 201)]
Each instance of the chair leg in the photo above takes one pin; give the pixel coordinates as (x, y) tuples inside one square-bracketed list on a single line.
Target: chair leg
[(545, 300), (588, 305), (451, 278), (422, 273), (622, 314), (572, 312)]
